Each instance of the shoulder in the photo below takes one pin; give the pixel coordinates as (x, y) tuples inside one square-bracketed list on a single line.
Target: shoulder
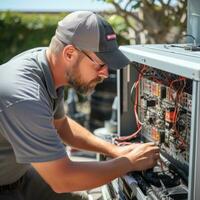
[(21, 80), (24, 62)]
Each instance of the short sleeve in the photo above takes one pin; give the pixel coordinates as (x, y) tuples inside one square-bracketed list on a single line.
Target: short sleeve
[(28, 126)]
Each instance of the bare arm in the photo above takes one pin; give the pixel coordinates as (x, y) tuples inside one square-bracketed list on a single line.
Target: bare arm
[(77, 136), (66, 176), (63, 175)]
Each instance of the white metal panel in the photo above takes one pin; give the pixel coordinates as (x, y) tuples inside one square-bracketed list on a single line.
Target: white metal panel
[(165, 57)]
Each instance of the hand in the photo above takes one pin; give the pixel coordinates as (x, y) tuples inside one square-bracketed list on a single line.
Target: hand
[(122, 150), (143, 157)]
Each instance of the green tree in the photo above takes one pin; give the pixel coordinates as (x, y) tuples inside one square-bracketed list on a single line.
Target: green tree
[(22, 31), (149, 21)]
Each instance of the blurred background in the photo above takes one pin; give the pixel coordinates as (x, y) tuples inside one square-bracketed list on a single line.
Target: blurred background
[(28, 24)]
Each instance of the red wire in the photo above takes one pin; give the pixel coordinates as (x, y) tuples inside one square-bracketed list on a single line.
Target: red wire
[(122, 140), (138, 122), (176, 112)]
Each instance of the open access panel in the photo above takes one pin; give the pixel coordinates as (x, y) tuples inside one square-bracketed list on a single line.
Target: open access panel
[(159, 101)]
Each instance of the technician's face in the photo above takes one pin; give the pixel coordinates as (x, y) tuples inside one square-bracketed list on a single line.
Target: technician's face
[(86, 73)]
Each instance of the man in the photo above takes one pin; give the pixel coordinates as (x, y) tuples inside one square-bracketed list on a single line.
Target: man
[(33, 125)]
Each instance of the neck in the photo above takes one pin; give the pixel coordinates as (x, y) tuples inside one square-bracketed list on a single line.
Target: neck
[(54, 62)]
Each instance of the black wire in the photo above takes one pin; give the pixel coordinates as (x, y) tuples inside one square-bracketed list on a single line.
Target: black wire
[(191, 36), (136, 68)]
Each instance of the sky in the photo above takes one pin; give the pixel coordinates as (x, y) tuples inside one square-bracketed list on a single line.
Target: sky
[(53, 5)]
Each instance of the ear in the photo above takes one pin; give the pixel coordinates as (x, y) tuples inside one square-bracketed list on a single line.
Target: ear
[(68, 52), (103, 72)]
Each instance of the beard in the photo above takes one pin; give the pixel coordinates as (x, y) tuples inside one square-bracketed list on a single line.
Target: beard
[(75, 81), (84, 88)]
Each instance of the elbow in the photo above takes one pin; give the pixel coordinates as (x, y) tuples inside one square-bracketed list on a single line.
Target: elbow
[(56, 189), (61, 188)]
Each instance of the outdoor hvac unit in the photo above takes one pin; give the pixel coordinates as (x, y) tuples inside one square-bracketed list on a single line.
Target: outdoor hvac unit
[(159, 101)]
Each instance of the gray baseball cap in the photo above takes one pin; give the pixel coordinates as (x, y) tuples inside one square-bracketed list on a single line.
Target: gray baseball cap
[(89, 31)]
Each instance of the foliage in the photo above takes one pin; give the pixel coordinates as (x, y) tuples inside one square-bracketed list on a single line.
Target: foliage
[(22, 31), (158, 21)]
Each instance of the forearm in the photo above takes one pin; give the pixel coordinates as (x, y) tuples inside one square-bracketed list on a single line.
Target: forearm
[(79, 137), (63, 175), (87, 175)]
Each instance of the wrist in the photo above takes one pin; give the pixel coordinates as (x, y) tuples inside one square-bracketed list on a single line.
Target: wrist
[(114, 151), (128, 163), (131, 166)]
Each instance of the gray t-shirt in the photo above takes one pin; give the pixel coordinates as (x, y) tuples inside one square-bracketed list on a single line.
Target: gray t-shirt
[(28, 104)]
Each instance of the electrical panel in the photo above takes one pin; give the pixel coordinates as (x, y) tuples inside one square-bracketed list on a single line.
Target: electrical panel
[(163, 112), (159, 98), (165, 102)]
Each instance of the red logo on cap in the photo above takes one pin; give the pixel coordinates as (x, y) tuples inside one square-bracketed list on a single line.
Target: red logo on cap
[(111, 37)]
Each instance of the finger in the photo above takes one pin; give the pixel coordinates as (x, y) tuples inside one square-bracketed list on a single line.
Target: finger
[(154, 163), (161, 163), (152, 143), (157, 156), (155, 149)]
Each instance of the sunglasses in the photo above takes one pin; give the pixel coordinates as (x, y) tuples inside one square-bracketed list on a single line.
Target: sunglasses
[(94, 62)]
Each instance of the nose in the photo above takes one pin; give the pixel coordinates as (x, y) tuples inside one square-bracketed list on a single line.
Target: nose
[(103, 72)]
